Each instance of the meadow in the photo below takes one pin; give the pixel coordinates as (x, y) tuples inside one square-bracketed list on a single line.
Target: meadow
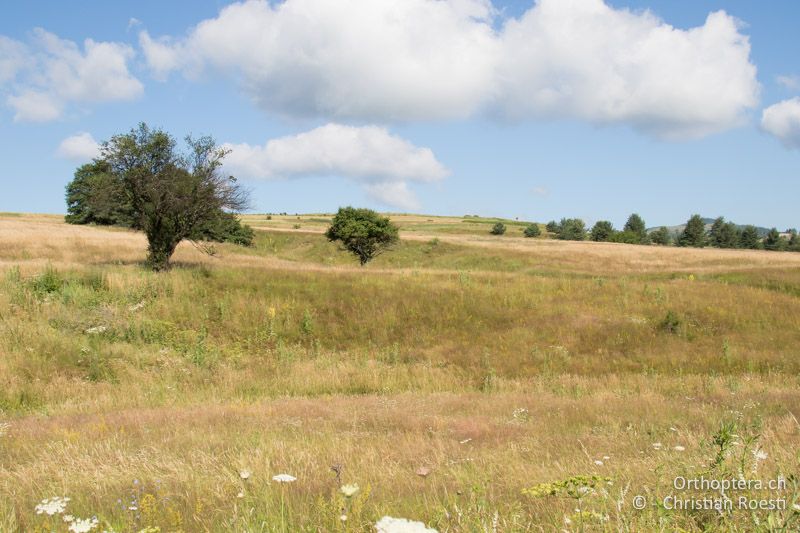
[(472, 382)]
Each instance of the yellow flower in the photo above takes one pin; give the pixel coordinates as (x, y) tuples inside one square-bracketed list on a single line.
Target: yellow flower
[(271, 313), (691, 277)]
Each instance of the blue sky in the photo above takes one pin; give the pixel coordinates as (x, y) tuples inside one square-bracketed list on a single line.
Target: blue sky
[(512, 109)]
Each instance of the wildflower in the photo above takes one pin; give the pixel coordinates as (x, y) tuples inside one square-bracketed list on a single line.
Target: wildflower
[(343, 518), (387, 524), (284, 478), (245, 474), (657, 445), (271, 313), (83, 526), (349, 490), (68, 518), (691, 277), (136, 307), (4, 427), (96, 329), (52, 506), (464, 441), (598, 462), (241, 494), (679, 448), (760, 455), (796, 507), (606, 458)]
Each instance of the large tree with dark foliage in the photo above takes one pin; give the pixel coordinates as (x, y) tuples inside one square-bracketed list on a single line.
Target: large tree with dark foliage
[(169, 194), (637, 230), (749, 238), (363, 232), (602, 231), (694, 234)]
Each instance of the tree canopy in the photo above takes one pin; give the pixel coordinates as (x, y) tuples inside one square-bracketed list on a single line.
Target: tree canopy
[(143, 181), (362, 232)]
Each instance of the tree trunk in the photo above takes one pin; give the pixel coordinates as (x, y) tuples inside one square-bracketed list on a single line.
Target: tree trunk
[(159, 252)]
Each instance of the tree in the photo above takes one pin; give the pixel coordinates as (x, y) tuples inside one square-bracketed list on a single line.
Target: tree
[(363, 232), (716, 228), (571, 229), (173, 195), (774, 241), (95, 196), (661, 236), (749, 238), (728, 236), (553, 227), (794, 241), (602, 231), (498, 229), (694, 234), (635, 225), (532, 230)]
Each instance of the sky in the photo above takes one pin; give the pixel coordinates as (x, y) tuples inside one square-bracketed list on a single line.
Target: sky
[(536, 110)]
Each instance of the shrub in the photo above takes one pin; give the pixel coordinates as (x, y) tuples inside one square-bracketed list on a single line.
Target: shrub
[(498, 229), (362, 232), (571, 229), (532, 230), (661, 236)]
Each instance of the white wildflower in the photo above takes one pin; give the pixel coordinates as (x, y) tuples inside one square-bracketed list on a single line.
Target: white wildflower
[(83, 526), (598, 462), (245, 474), (4, 427), (657, 445), (606, 458), (284, 478), (387, 524), (349, 490), (464, 441), (136, 307), (760, 455), (52, 506), (68, 518), (796, 506), (679, 448), (343, 518), (240, 495), (96, 329)]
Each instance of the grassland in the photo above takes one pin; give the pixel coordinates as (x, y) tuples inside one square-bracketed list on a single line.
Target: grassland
[(489, 364)]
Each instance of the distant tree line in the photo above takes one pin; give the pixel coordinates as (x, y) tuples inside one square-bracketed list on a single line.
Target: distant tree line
[(721, 234)]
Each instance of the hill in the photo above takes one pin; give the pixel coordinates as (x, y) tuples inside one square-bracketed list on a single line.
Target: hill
[(449, 379)]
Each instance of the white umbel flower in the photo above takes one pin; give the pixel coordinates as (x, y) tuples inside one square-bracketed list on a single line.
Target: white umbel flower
[(284, 478), (52, 506), (387, 524)]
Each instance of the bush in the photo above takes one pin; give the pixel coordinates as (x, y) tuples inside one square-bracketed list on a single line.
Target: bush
[(661, 236), (498, 229), (671, 323), (362, 232), (571, 229), (602, 231), (532, 230)]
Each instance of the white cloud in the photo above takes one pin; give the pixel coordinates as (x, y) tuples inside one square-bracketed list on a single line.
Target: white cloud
[(56, 72), (783, 121), (789, 82), (12, 58), (386, 60), (79, 147), (34, 106), (382, 163)]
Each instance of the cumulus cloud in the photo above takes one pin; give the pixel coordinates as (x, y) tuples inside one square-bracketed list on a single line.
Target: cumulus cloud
[(79, 147), (54, 72), (387, 60), (783, 121), (382, 163)]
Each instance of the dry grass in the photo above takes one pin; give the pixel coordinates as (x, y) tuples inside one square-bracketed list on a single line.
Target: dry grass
[(497, 364)]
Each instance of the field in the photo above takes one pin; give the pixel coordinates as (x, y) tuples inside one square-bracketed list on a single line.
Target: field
[(458, 380)]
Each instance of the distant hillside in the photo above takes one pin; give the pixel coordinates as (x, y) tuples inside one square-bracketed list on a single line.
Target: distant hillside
[(677, 230)]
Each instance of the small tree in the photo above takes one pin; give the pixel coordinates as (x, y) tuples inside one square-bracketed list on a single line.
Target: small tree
[(749, 238), (635, 225), (362, 232), (572, 229), (661, 236), (694, 234), (172, 195), (794, 241), (774, 241), (553, 227), (532, 230), (602, 231), (498, 229)]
